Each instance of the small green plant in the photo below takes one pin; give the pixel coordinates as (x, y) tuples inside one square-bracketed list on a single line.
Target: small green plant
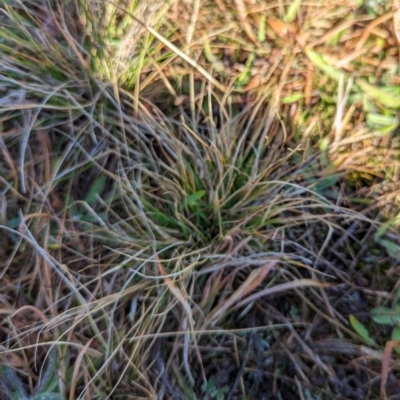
[(46, 388), (361, 330), (387, 316), (384, 316), (211, 391)]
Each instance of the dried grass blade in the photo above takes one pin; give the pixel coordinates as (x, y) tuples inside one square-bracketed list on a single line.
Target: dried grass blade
[(78, 364), (175, 291), (282, 287), (252, 281), (368, 30), (175, 49), (241, 9), (386, 358)]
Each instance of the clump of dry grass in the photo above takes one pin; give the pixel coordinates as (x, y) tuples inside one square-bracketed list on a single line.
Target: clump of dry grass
[(193, 246)]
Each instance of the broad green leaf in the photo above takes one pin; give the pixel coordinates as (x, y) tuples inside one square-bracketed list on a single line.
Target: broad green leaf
[(360, 329), (396, 336), (96, 189), (210, 385), (292, 98), (221, 392), (379, 94), (321, 63), (375, 119), (291, 13), (384, 124), (386, 315), (396, 333), (392, 248), (11, 385), (192, 199), (49, 380)]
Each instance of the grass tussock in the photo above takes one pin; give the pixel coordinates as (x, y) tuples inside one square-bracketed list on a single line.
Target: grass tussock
[(171, 232)]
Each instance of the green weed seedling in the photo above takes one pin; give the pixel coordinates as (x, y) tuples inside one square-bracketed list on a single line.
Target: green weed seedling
[(387, 316), (46, 389), (361, 330), (384, 316), (211, 391)]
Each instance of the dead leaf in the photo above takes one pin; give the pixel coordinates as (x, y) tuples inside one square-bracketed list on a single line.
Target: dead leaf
[(279, 27), (255, 82)]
